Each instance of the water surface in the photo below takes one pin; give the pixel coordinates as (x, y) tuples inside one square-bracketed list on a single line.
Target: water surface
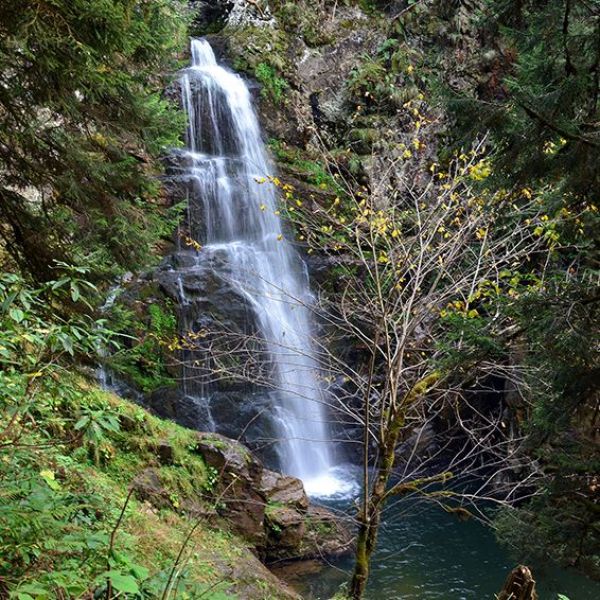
[(425, 554)]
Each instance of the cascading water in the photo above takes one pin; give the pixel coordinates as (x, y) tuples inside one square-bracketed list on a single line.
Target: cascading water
[(234, 217)]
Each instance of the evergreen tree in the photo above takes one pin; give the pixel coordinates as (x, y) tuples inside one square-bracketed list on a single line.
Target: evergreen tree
[(541, 108), (543, 105), (82, 121)]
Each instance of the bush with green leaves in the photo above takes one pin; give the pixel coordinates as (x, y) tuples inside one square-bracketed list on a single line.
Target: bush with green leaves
[(71, 525), (145, 349), (273, 84)]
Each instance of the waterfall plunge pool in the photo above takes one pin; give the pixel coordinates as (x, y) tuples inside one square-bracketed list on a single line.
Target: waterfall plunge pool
[(337, 484), (425, 553)]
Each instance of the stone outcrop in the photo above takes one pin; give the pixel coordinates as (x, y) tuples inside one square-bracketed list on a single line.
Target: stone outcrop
[(213, 15), (269, 509)]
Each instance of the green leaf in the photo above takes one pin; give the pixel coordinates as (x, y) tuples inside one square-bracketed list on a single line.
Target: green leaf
[(60, 283), (83, 422), (8, 301), (139, 572), (123, 583), (33, 590), (48, 477), (75, 294), (16, 314)]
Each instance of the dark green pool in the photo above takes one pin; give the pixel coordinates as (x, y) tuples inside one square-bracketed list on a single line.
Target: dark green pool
[(425, 553)]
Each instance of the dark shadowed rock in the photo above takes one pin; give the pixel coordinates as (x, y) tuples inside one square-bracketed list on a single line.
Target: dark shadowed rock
[(170, 403), (165, 453), (209, 15)]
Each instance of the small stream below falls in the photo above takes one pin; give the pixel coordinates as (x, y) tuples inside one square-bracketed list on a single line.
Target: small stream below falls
[(427, 554)]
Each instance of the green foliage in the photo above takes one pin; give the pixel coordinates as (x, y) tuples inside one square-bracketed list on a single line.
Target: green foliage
[(560, 332), (69, 527), (95, 425), (370, 81), (314, 171), (302, 19), (36, 346), (273, 85), (262, 53), (162, 323), (82, 121), (143, 353), (538, 97), (255, 45), (212, 478), (373, 6), (542, 103), (384, 82)]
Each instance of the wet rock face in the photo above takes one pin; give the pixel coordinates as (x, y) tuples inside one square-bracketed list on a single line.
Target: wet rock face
[(238, 410), (170, 403), (213, 318), (269, 509), (210, 16), (204, 293)]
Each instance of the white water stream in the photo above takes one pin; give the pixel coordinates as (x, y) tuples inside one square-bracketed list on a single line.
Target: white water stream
[(239, 221)]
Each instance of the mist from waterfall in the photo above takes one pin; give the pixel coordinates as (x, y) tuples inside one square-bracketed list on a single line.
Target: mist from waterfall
[(233, 215)]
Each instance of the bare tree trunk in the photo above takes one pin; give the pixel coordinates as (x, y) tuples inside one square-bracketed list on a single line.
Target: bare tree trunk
[(371, 517), (370, 514), (360, 574), (519, 585)]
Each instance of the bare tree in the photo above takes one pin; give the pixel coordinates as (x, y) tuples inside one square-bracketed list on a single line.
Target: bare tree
[(425, 272), (425, 276)]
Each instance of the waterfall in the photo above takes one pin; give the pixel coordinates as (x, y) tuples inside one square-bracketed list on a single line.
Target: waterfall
[(233, 216)]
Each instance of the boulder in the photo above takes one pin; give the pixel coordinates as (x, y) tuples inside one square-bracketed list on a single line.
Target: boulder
[(237, 490), (286, 531), (165, 454), (326, 534), (314, 533), (231, 458), (283, 489), (270, 510)]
